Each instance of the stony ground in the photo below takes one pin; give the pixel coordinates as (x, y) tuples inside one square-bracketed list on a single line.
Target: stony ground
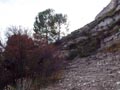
[(96, 72)]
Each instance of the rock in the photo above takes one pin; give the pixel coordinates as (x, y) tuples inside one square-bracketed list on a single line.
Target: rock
[(98, 33), (107, 9)]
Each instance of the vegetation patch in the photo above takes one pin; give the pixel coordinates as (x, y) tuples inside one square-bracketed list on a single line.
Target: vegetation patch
[(88, 47), (28, 63), (72, 54), (113, 48)]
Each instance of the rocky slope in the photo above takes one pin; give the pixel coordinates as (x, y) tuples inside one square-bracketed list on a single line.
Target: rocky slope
[(95, 53), (97, 72)]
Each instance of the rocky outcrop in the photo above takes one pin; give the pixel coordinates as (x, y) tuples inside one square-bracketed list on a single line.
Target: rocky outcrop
[(110, 7), (92, 37)]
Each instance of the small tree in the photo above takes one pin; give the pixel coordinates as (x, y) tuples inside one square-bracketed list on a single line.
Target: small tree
[(16, 62), (26, 60), (59, 20), (48, 24)]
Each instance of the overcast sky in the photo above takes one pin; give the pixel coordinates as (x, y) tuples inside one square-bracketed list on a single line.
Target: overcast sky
[(23, 12)]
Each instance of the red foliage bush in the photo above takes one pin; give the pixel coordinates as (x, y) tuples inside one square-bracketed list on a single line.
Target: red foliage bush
[(25, 57)]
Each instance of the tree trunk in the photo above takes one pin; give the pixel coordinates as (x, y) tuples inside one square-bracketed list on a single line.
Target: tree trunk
[(59, 32)]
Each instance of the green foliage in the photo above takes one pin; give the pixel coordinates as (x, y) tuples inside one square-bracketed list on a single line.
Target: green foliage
[(48, 24), (88, 46), (83, 48)]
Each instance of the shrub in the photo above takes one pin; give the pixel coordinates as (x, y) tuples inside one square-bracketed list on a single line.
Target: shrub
[(112, 48), (88, 46), (27, 61), (72, 54)]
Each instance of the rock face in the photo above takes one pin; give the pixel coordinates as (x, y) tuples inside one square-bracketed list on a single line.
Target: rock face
[(108, 8), (97, 34)]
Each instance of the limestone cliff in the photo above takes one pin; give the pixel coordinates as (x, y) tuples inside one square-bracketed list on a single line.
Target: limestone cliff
[(110, 7), (96, 35)]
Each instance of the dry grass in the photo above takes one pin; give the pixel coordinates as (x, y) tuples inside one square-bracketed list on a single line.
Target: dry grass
[(42, 82), (113, 48)]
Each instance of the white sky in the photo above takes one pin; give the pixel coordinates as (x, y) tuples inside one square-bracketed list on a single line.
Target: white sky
[(23, 12)]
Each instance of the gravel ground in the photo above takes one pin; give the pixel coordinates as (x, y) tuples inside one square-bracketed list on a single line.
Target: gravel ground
[(96, 72)]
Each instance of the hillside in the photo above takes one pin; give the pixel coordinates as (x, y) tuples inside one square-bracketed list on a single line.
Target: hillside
[(93, 51), (97, 72)]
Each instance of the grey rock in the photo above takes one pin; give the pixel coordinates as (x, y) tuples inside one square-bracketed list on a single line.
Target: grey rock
[(108, 8)]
